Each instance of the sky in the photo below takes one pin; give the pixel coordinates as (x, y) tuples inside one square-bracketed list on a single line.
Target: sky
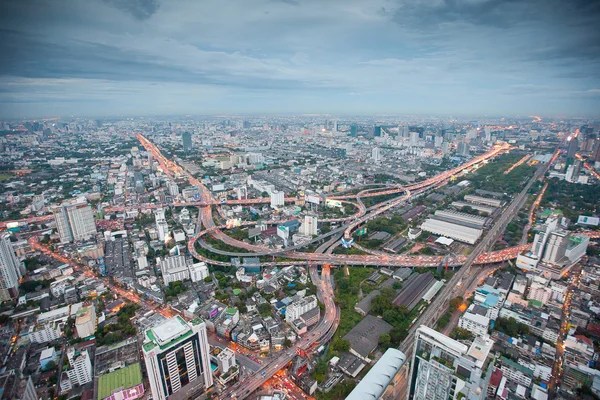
[(176, 57)]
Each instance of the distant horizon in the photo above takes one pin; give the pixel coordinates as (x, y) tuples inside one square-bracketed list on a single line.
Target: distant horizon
[(154, 58)]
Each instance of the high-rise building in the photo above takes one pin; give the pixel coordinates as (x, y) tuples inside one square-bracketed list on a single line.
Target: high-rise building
[(187, 141), (442, 368), (10, 269), (173, 268), (376, 131), (488, 134), (162, 228), (414, 138), (572, 149), (299, 307), (353, 130), (81, 366), (335, 125), (85, 322), (557, 245), (277, 198), (540, 239), (226, 360), (463, 149), (173, 188), (376, 154), (74, 222), (309, 227), (177, 359)]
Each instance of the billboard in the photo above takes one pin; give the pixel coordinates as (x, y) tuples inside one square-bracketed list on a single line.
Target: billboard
[(312, 199), (361, 232), (333, 203), (213, 312), (592, 221)]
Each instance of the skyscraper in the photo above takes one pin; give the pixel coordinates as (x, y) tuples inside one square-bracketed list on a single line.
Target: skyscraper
[(162, 228), (353, 130), (177, 359), (556, 247), (74, 222), (187, 141), (573, 144), (10, 269), (442, 368), (376, 154), (376, 131)]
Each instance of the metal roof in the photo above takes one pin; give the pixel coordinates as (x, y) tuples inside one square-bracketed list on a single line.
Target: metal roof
[(379, 377)]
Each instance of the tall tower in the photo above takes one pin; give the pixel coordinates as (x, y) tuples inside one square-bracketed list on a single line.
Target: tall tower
[(187, 141), (573, 144), (177, 359), (10, 269)]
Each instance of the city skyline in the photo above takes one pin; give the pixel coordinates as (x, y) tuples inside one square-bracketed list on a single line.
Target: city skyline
[(147, 58)]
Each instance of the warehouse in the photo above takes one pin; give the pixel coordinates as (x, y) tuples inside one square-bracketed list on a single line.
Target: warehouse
[(413, 290), (472, 221), (483, 200), (478, 207), (364, 336), (453, 231)]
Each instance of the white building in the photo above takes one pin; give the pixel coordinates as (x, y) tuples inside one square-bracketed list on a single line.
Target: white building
[(376, 154), (577, 247), (10, 269), (226, 360), (453, 231), (74, 222), (539, 292), (81, 367), (527, 261), (556, 247), (277, 199), (198, 271), (162, 228), (483, 200), (442, 368), (475, 323), (85, 322), (309, 227), (176, 353), (46, 332), (173, 188), (297, 308), (173, 268)]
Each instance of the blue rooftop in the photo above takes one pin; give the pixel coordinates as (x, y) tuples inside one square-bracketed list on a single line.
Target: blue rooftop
[(490, 300)]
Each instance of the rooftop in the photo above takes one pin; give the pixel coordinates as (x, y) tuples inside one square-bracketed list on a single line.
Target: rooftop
[(167, 333), (120, 379), (364, 336)]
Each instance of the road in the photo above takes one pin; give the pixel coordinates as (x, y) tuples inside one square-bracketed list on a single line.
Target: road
[(452, 289), (564, 328)]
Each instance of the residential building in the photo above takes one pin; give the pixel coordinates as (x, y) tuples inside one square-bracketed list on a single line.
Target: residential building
[(173, 268), (198, 271), (297, 308), (81, 366), (85, 322), (177, 359), (10, 269), (226, 360), (442, 369), (162, 228), (475, 323), (74, 222)]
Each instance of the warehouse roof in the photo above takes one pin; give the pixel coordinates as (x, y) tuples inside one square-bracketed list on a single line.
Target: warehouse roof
[(364, 336)]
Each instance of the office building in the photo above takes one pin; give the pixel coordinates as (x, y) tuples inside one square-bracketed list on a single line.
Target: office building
[(81, 367), (414, 138), (177, 359), (377, 380), (353, 130), (573, 144), (74, 222), (173, 268), (297, 308), (187, 141), (376, 154), (10, 269), (376, 131), (85, 322), (463, 149), (442, 369)]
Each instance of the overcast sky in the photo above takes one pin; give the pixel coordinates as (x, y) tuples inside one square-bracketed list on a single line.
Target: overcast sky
[(159, 57)]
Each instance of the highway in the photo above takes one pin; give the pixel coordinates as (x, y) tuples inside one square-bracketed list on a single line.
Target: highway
[(456, 286)]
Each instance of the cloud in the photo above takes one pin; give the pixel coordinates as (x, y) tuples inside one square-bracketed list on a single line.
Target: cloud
[(428, 56)]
